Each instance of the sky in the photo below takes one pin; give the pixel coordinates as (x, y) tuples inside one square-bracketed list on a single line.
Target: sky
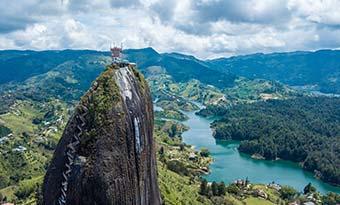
[(203, 28)]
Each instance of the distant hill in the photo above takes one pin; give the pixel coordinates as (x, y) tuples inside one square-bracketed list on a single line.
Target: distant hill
[(318, 70), (18, 66), (66, 75), (39, 91), (181, 67), (56, 75)]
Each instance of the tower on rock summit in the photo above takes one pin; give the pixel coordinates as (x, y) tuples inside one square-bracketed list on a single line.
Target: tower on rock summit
[(106, 155), (116, 54)]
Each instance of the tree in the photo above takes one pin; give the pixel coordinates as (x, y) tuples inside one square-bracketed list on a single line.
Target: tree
[(288, 192), (181, 147), (178, 167), (3, 181), (204, 187), (309, 189), (161, 150), (301, 130), (233, 189), (25, 190), (161, 154), (173, 130), (331, 199), (204, 152), (214, 188), (247, 181), (39, 195), (36, 121), (221, 189)]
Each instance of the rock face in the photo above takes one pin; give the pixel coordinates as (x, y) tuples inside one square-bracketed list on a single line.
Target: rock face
[(106, 154)]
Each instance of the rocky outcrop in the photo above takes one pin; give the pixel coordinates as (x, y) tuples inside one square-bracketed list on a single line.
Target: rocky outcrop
[(106, 154)]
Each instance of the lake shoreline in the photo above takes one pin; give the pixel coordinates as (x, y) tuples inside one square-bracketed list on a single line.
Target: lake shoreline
[(200, 135)]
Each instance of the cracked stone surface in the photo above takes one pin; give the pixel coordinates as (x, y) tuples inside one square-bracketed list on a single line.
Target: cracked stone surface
[(114, 160)]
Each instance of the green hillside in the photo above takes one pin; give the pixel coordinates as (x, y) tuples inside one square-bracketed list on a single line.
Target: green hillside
[(319, 70), (36, 104), (305, 130)]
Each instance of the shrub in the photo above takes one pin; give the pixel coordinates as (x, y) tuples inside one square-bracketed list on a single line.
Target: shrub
[(309, 189), (288, 192), (331, 199), (178, 167), (214, 188), (204, 152), (221, 189), (233, 189), (204, 189), (25, 190)]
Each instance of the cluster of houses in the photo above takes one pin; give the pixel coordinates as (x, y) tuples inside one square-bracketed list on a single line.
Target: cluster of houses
[(305, 203), (242, 183), (275, 186), (193, 156), (310, 200), (5, 138), (245, 186), (19, 148)]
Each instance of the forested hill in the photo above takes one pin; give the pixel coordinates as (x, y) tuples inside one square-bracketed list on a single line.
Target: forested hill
[(66, 74), (303, 130), (18, 66), (319, 70), (181, 67)]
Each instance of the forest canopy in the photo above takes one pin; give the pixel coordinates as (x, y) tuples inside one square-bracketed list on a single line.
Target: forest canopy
[(305, 130)]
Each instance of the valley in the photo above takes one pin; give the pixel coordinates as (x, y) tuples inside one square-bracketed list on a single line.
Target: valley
[(36, 107), (229, 164), (302, 130)]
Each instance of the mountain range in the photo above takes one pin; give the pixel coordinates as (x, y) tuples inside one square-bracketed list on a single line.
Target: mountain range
[(39, 91), (319, 70)]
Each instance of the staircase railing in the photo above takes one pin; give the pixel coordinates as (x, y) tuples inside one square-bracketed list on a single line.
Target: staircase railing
[(70, 154)]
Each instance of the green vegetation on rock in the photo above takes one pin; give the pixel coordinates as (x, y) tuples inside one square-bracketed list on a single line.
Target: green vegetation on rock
[(39, 90)]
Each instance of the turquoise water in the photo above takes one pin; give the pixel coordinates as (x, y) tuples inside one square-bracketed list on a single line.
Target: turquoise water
[(230, 165)]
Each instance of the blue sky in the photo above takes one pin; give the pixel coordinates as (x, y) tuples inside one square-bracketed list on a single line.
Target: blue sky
[(204, 28)]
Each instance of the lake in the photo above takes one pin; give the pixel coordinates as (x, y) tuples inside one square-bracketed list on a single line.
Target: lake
[(229, 164)]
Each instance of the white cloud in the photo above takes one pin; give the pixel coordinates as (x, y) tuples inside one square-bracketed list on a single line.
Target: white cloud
[(205, 28), (318, 11), (7, 43), (35, 36)]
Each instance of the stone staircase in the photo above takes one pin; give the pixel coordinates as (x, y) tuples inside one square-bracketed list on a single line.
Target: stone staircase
[(71, 152)]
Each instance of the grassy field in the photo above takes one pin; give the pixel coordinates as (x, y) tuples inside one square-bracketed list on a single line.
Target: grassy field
[(176, 189), (35, 129), (178, 177), (182, 187), (171, 114), (20, 118), (257, 201)]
